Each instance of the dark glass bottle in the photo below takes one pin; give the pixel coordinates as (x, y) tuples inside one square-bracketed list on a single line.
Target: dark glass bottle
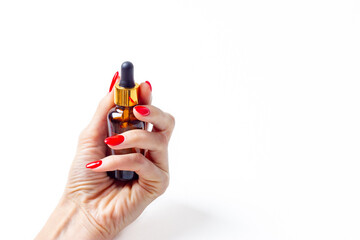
[(122, 119)]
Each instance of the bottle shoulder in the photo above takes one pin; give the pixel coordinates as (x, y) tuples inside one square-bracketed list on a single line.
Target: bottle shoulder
[(122, 114), (115, 112)]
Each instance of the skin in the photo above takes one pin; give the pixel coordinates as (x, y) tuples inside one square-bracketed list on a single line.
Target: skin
[(95, 206)]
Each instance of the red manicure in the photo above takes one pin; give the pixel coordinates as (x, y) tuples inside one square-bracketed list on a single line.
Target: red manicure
[(94, 164), (149, 85), (113, 81), (142, 110), (114, 140)]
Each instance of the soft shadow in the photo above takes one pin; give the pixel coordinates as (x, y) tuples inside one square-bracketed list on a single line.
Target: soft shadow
[(166, 222)]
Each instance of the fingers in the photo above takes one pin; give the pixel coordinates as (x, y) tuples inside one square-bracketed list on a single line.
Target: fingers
[(136, 162), (155, 142), (145, 95), (161, 121), (107, 102), (142, 139)]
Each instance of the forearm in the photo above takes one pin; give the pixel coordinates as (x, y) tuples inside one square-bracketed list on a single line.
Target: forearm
[(69, 221)]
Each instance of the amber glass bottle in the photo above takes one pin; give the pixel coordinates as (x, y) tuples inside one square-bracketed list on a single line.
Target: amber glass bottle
[(121, 117)]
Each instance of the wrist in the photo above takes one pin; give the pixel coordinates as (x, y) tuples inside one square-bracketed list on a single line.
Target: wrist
[(68, 221)]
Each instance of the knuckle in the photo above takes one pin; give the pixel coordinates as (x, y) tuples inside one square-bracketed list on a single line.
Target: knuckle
[(135, 136), (164, 183), (138, 158), (163, 140), (172, 120), (112, 160)]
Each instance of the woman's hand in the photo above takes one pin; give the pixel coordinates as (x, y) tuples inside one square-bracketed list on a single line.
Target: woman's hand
[(99, 206)]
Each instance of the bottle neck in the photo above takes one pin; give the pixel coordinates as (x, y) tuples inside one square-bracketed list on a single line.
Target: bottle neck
[(126, 96), (123, 108)]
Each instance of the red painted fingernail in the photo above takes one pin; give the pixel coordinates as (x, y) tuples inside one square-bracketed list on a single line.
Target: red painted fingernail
[(114, 140), (113, 81), (142, 110), (94, 164), (149, 85)]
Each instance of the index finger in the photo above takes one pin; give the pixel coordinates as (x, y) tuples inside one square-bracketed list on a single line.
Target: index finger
[(145, 94)]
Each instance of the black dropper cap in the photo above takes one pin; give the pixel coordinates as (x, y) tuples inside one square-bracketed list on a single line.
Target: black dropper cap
[(127, 75)]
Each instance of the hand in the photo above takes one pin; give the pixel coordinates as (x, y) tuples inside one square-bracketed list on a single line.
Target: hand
[(103, 205)]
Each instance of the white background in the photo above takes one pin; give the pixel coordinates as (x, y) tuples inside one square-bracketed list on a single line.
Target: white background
[(265, 95)]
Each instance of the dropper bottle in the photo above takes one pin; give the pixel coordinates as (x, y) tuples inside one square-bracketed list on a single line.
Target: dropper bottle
[(121, 117)]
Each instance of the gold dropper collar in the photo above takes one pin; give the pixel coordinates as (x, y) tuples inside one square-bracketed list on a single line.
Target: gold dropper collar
[(126, 97)]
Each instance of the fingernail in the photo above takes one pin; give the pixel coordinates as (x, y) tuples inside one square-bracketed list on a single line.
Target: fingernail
[(113, 81), (142, 110), (94, 164), (114, 140), (149, 85)]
